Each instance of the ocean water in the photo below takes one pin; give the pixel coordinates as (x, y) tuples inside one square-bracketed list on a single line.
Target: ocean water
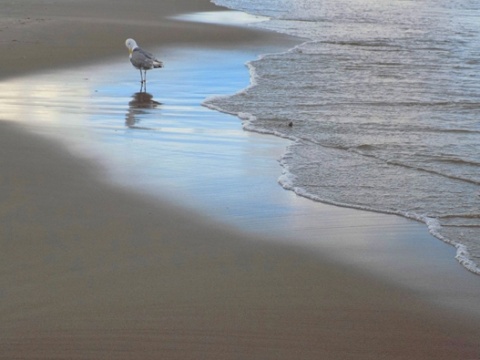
[(382, 100)]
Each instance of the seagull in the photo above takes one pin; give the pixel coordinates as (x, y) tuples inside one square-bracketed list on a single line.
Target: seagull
[(141, 59)]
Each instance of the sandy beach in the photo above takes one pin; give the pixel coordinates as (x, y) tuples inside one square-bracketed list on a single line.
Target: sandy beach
[(92, 270)]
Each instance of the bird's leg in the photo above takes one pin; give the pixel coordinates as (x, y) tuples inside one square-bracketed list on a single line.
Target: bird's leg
[(141, 77), (144, 84)]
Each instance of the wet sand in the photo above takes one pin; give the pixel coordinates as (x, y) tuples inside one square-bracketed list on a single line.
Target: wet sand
[(91, 270)]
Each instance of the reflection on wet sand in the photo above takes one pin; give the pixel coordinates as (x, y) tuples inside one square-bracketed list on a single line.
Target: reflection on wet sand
[(140, 103)]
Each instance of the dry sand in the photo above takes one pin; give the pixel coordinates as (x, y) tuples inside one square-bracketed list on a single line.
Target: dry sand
[(89, 271), (36, 35)]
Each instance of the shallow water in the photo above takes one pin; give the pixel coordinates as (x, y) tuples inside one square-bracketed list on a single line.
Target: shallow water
[(384, 99), (165, 143)]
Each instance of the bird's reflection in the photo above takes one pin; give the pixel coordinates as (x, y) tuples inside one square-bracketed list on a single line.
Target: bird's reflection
[(139, 105)]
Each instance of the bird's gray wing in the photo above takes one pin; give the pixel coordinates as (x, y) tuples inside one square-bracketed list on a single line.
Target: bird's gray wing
[(142, 59)]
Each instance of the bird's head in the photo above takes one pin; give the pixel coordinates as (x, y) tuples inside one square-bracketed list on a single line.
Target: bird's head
[(131, 45)]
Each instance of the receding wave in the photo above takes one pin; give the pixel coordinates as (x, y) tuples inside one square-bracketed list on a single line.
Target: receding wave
[(382, 108)]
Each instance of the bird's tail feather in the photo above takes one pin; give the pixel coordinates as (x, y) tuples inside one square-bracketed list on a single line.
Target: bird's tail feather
[(157, 64)]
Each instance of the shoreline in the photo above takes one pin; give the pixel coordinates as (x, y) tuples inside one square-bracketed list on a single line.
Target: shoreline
[(463, 245), (187, 286)]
